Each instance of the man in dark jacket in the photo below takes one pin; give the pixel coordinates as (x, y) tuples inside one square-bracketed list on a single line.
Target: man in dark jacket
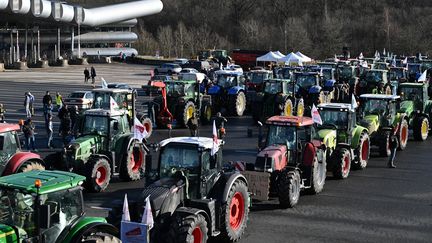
[(28, 130), (93, 75), (86, 75), (394, 144), (192, 124)]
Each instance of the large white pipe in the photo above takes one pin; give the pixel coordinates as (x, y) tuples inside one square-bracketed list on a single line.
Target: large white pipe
[(41, 8), (127, 23), (20, 6), (106, 51), (62, 12), (4, 4), (117, 12)]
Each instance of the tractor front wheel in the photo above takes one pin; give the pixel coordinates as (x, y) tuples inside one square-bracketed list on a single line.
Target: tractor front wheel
[(342, 163), (29, 166), (403, 134), (421, 128), (237, 104), (384, 144), (319, 172), (133, 163), (187, 112), (235, 212), (98, 173), (363, 152), (289, 188), (189, 229), (148, 125)]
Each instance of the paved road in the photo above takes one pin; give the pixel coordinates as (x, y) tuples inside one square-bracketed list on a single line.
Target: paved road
[(374, 205)]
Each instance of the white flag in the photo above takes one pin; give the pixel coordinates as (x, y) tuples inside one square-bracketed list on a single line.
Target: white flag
[(139, 130), (215, 140), (125, 215), (405, 61), (394, 62), (316, 118), (147, 217), (113, 104), (104, 84), (361, 55), (384, 52), (353, 102), (422, 78)]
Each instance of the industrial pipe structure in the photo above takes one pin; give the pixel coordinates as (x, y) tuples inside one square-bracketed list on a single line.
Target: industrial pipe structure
[(62, 12), (117, 12), (41, 8), (4, 4), (20, 6), (106, 51)]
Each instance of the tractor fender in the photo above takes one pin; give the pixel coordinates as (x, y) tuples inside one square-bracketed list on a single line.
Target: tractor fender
[(87, 225), (186, 211), (309, 153), (214, 90), (122, 147), (330, 83), (315, 89), (230, 182), (235, 90), (356, 136), (397, 122), (18, 159)]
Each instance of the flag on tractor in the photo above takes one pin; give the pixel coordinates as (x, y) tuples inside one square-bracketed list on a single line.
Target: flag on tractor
[(139, 130), (316, 116), (147, 217), (125, 215), (104, 84), (215, 140), (353, 102), (422, 78), (113, 104)]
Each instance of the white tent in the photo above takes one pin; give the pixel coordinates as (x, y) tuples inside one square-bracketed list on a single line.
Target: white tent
[(269, 57), (304, 57), (291, 58), (279, 53)]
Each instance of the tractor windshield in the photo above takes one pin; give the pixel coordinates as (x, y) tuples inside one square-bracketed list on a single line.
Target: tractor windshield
[(282, 135), (258, 78), (375, 106), (8, 145), (396, 74), (327, 74), (345, 72), (225, 80), (373, 77), (411, 93), (177, 157), (219, 54), (102, 100), (175, 89), (95, 125), (306, 81), (334, 117), (273, 87), (413, 68)]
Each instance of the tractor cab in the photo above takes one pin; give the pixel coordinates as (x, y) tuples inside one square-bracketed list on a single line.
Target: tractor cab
[(339, 117), (378, 110), (279, 86), (414, 96), (256, 79), (308, 86), (371, 79), (9, 143), (398, 74), (123, 98), (183, 88), (380, 66), (226, 79), (287, 72), (414, 71), (346, 73)]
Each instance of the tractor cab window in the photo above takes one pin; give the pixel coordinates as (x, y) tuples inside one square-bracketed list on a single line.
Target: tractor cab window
[(306, 81), (396, 74), (175, 89), (411, 93), (282, 135), (413, 68), (226, 80), (327, 74), (120, 125), (334, 117), (375, 106), (305, 134), (95, 125), (258, 78), (345, 72), (189, 89), (179, 157), (8, 144), (272, 87), (373, 77)]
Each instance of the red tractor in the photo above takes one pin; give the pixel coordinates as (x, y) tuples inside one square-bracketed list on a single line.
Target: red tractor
[(12, 159), (291, 160)]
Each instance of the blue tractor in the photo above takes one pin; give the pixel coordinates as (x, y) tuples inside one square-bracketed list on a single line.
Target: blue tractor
[(228, 92)]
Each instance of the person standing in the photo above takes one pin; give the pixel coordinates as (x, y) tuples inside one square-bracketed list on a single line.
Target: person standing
[(86, 75), (2, 114), (394, 144), (74, 116), (47, 105), (65, 130), (93, 75), (192, 124), (59, 101), (50, 131), (62, 115), (220, 124), (31, 103), (28, 130), (27, 105)]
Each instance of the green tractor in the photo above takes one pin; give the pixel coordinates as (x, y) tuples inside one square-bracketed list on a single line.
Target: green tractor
[(105, 147), (184, 100), (192, 195), (371, 80), (277, 98), (417, 105), (48, 206), (347, 143), (381, 117)]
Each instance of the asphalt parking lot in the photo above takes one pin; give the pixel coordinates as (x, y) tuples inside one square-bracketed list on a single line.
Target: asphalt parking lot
[(374, 205)]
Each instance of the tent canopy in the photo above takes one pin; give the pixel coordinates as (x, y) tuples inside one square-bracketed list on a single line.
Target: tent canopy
[(291, 58), (279, 53), (303, 57), (269, 57)]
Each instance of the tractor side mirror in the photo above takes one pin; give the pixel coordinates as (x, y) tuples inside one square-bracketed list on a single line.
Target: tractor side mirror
[(116, 126), (45, 216)]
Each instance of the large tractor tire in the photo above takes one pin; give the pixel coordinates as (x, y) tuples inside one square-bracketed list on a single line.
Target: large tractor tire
[(99, 234), (421, 128), (363, 152), (288, 108), (403, 134), (148, 125), (186, 113), (206, 113), (319, 172), (237, 104), (384, 144), (289, 188), (342, 163), (98, 173), (133, 163), (30, 165), (235, 212), (189, 229)]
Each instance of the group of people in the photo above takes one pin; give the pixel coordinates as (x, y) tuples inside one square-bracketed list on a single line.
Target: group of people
[(90, 74), (192, 125)]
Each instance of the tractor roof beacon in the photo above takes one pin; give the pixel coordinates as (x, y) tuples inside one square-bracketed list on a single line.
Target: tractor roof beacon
[(193, 195), (291, 160), (47, 206)]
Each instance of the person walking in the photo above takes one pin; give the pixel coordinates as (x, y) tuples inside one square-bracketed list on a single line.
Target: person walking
[(50, 131), (47, 105), (86, 75), (93, 75), (28, 130), (27, 104), (65, 130), (2, 114), (394, 144), (192, 124), (62, 115), (220, 124), (74, 116), (31, 103), (59, 101)]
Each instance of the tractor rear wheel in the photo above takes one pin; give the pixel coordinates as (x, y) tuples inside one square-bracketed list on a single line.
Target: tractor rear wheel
[(133, 163), (235, 212), (189, 229), (363, 152), (29, 166), (403, 134), (384, 144), (421, 128), (288, 108), (342, 163), (237, 104), (97, 235), (319, 172), (148, 125), (289, 188), (186, 113), (98, 173)]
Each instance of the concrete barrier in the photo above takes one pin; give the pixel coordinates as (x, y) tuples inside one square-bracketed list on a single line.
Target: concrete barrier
[(2, 69), (79, 61), (20, 65)]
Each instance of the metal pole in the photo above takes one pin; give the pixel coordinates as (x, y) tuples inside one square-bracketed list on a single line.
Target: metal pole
[(32, 47), (58, 43), (73, 39), (79, 41), (38, 45), (26, 43), (12, 54), (17, 48)]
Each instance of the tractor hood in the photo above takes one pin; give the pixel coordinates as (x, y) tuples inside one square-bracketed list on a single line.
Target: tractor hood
[(371, 122), (328, 137), (276, 159), (82, 147), (213, 90), (7, 234), (165, 195), (407, 107)]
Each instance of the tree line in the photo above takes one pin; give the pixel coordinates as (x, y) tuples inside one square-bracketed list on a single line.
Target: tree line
[(318, 28)]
